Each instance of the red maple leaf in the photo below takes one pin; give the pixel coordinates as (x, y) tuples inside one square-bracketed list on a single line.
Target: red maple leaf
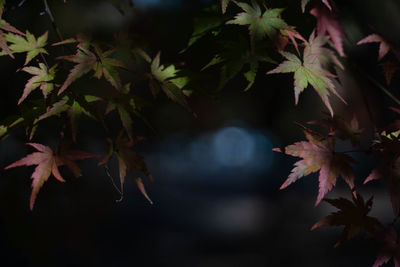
[(384, 46), (327, 23), (352, 215), (390, 169), (390, 249), (128, 160), (47, 163), (318, 155)]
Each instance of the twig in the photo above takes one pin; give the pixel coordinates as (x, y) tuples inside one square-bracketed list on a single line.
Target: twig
[(113, 183), (386, 91), (53, 22)]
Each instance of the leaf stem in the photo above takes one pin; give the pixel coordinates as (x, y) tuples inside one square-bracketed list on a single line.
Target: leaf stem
[(45, 62), (113, 183)]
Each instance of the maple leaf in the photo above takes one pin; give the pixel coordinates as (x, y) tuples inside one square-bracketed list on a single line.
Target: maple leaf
[(166, 79), (128, 160), (27, 43), (100, 62), (42, 78), (47, 163), (389, 145), (341, 128), (353, 215), (305, 2), (309, 71), (235, 57), (260, 24), (389, 68), (318, 155), (390, 249), (66, 156), (384, 46), (291, 35), (5, 26), (327, 23), (209, 23), (122, 109), (75, 108)]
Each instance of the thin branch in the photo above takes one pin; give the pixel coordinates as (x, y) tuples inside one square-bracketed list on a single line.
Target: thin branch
[(53, 22), (386, 91), (113, 183)]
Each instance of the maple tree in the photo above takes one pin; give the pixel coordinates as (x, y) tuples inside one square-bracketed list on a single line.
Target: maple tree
[(262, 41)]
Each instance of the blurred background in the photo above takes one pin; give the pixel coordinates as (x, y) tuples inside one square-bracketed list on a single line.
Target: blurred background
[(216, 192)]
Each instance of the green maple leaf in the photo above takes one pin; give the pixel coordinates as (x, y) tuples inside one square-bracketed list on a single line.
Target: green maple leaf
[(126, 103), (236, 57), (98, 61), (166, 79), (26, 44), (4, 26), (42, 78), (260, 24), (310, 71), (75, 108)]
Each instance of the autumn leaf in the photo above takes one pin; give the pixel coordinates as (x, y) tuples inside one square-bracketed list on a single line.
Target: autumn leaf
[(128, 160), (75, 108), (384, 46), (5, 26), (260, 24), (98, 61), (66, 156), (390, 249), (310, 71), (389, 168), (327, 23), (42, 78), (342, 128), (389, 67), (291, 35), (27, 43), (47, 163), (318, 155), (353, 215)]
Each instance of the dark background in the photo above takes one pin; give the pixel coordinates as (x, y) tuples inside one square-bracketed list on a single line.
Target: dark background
[(216, 190)]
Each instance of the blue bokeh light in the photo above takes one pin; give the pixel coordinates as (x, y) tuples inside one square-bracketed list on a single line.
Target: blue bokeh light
[(233, 147), (232, 151)]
